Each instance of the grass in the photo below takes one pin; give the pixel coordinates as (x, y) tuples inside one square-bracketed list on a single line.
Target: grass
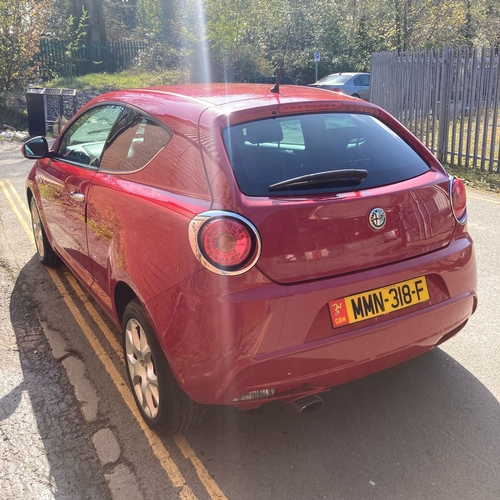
[(469, 168), (123, 80), (476, 126), (479, 179)]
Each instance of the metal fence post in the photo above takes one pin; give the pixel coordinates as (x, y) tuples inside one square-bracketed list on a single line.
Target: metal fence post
[(444, 105)]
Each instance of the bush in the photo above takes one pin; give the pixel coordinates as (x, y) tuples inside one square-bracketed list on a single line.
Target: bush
[(157, 56), (240, 66), (13, 109)]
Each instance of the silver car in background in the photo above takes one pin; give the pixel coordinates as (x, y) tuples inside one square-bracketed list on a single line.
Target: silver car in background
[(353, 84)]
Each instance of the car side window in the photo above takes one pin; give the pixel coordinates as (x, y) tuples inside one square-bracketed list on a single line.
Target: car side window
[(365, 80), (133, 143), (84, 140)]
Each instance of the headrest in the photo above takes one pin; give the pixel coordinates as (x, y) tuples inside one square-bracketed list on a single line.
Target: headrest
[(264, 131)]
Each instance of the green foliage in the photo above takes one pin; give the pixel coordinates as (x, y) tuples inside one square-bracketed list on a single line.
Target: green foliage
[(239, 65), (13, 109), (235, 40), (149, 22), (158, 55), (76, 33), (21, 25), (104, 82)]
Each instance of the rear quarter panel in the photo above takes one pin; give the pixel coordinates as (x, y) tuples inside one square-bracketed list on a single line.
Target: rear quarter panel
[(138, 222), (139, 235)]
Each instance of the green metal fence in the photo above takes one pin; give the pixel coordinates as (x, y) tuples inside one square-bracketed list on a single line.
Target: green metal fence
[(57, 60)]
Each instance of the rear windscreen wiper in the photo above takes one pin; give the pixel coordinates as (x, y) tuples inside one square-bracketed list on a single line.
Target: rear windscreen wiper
[(335, 178)]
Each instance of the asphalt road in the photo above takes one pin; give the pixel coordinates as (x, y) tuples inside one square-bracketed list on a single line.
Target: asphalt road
[(427, 429)]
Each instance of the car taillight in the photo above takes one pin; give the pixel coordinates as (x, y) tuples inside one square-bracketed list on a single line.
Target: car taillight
[(302, 107), (458, 200), (337, 89), (224, 242)]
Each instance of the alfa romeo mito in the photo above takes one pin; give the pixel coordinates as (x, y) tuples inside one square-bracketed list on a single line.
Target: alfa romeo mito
[(253, 244)]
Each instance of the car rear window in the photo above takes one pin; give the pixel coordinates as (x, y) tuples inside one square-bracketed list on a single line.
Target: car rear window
[(335, 79), (268, 155)]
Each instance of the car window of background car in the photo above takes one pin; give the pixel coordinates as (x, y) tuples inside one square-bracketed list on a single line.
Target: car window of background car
[(134, 142), (362, 80), (335, 79), (84, 140)]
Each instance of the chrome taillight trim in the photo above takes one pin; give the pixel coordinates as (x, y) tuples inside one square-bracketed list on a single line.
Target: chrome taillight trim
[(194, 229), (462, 219)]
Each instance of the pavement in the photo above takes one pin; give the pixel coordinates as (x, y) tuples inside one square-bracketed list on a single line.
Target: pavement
[(53, 442)]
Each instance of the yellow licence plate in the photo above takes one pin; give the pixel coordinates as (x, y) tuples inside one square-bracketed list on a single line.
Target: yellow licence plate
[(378, 302)]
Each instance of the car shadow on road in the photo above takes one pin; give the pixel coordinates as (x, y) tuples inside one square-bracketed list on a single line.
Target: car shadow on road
[(74, 469), (424, 429)]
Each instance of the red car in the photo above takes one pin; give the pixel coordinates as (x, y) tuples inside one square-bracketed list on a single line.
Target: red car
[(253, 245)]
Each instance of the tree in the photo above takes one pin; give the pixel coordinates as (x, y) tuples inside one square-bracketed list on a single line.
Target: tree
[(76, 33), (239, 39), (148, 20), (95, 18), (226, 43), (21, 25), (96, 30)]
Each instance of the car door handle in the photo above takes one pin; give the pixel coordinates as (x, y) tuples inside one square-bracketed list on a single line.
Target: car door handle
[(77, 196)]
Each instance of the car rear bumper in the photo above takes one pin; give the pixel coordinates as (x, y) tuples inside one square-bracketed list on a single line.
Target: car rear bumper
[(227, 336), (328, 362)]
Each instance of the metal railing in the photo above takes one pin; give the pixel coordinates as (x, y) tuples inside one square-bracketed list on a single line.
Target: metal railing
[(448, 98)]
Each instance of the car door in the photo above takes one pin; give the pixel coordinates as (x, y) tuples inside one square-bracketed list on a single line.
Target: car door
[(65, 185), (114, 212)]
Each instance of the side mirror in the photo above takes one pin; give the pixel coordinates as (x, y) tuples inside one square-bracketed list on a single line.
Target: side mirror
[(35, 148)]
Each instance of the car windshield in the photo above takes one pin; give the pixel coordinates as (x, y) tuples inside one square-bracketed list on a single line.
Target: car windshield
[(286, 155), (337, 79)]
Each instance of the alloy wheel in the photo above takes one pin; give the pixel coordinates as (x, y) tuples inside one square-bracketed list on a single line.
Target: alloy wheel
[(141, 368), (37, 229)]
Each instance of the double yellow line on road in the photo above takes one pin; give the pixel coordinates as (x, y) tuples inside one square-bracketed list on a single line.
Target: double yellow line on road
[(176, 478)]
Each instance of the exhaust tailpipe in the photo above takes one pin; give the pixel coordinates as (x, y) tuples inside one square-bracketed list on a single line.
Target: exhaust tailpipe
[(307, 403)]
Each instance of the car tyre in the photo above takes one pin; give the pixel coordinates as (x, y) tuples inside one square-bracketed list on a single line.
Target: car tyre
[(162, 403), (45, 252), (356, 95)]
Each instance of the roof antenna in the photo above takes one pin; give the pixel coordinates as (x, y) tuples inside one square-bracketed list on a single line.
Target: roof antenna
[(276, 88)]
